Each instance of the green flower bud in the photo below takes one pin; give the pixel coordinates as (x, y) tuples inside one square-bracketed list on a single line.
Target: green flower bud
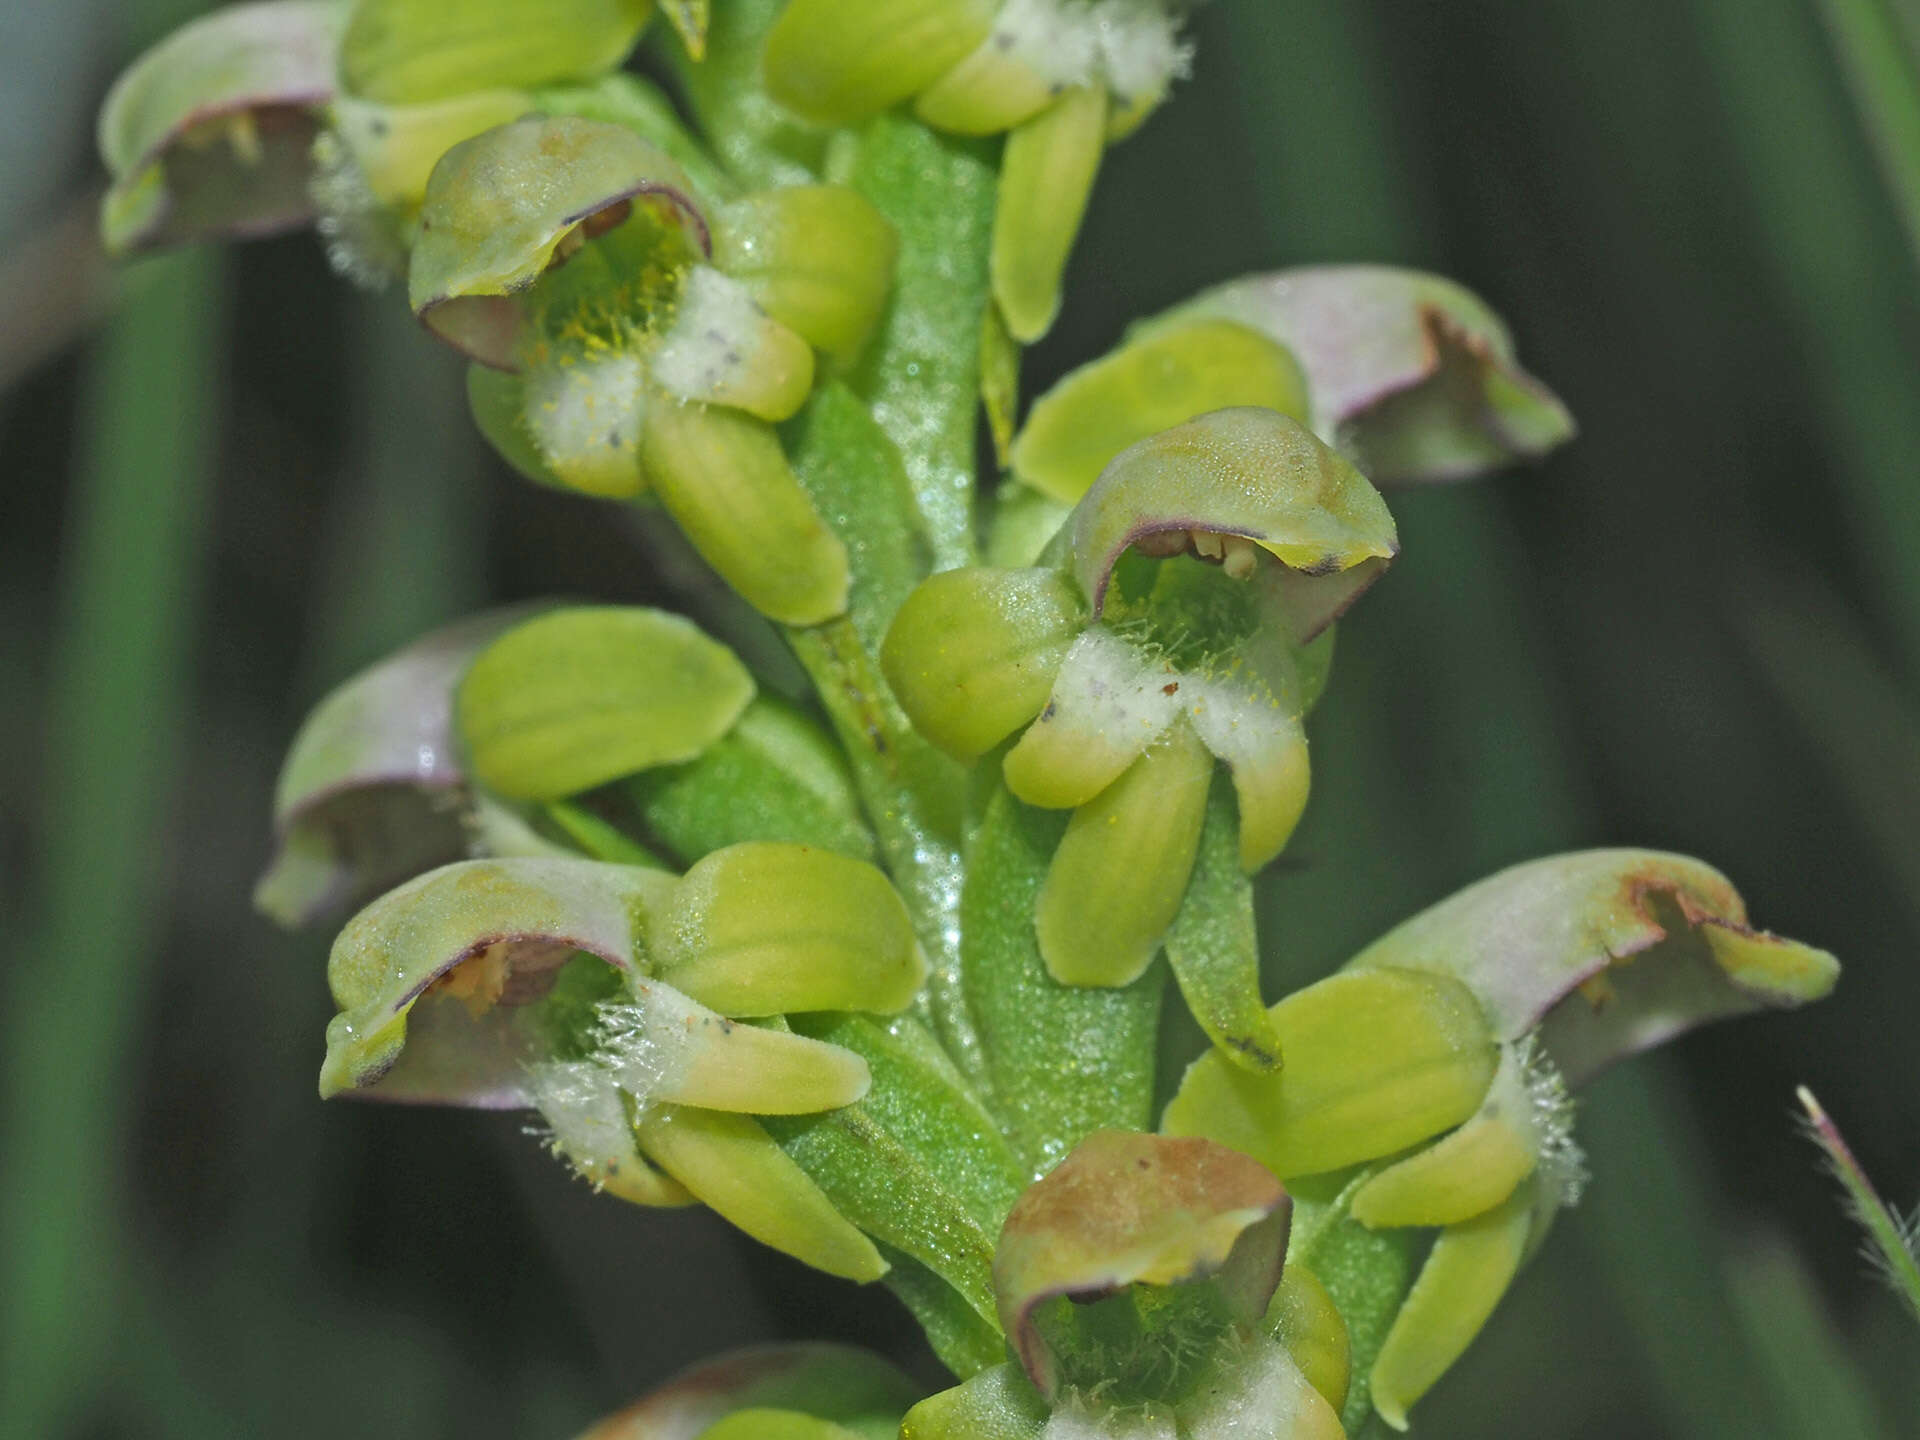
[(817, 258), (836, 62), (576, 698), (208, 133), (409, 51), (1148, 385), (837, 1383), (1410, 374), (370, 793)]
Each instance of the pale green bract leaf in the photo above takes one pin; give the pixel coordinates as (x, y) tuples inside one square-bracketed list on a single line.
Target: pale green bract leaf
[(579, 697), (208, 133)]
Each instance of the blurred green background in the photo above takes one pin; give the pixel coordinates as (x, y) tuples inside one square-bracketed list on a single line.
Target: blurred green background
[(230, 480)]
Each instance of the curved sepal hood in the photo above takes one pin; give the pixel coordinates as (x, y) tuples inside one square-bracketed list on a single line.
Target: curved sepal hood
[(1409, 373), (207, 134)]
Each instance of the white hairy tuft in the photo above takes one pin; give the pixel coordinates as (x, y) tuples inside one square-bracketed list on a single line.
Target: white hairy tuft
[(1562, 1171)]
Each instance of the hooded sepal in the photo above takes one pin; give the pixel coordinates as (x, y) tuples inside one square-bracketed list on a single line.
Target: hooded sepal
[(1605, 953), (207, 134), (1410, 374), (372, 789)]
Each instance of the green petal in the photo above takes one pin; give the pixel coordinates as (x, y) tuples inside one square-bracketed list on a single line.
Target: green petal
[(999, 1403), (1125, 1208), (987, 92), (368, 794), (576, 698), (658, 1044), (1250, 718), (521, 918), (1247, 472), (587, 1118), (497, 400), (1375, 1062), (837, 1382), (1608, 951), (817, 258), (736, 1169), (1108, 704), (208, 133), (1046, 177), (406, 51), (723, 349), (763, 1424), (1469, 1269), (835, 62), (498, 206), (583, 409), (1150, 384), (973, 653), (1117, 880), (725, 480), (762, 929), (1412, 374), (1468, 1172)]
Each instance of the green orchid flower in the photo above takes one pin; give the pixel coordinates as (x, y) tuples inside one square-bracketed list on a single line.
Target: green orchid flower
[(572, 257), (1427, 1083), (639, 1012), (1064, 78), (1180, 619), (1138, 1287)]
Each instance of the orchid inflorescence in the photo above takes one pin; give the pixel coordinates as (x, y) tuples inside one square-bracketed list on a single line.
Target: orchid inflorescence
[(878, 974)]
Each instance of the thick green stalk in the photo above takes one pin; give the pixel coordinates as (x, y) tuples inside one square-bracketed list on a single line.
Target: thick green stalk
[(118, 702)]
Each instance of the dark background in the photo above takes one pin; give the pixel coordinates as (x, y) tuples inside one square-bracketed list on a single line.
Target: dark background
[(1696, 628)]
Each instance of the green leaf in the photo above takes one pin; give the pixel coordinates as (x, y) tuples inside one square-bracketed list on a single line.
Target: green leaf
[(1063, 1061), (1046, 177), (578, 697), (1892, 1242), (1213, 948), (965, 1342), (922, 373), (775, 776), (401, 51)]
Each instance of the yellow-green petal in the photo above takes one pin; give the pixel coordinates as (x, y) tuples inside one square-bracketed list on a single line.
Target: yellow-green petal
[(762, 929), (835, 62), (723, 349), (208, 133), (986, 93), (734, 1167), (764, 1424), (1151, 383), (973, 653), (725, 480), (1046, 177), (1469, 1269), (659, 1044), (1375, 1062), (407, 51), (1244, 471), (1108, 704), (1117, 880), (578, 697), (397, 146)]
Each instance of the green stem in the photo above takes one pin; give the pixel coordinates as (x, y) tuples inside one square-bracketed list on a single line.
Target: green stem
[(118, 700), (913, 795)]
